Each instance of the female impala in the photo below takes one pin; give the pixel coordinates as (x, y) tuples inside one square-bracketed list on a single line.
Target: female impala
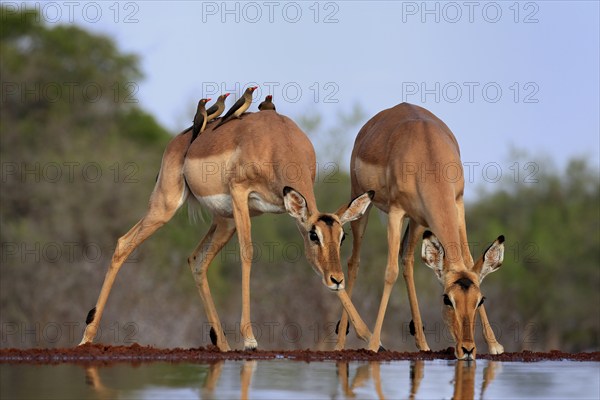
[(260, 163), (411, 159)]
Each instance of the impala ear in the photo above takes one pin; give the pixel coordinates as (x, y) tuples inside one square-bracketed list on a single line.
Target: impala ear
[(491, 259), (295, 204), (432, 254), (356, 209)]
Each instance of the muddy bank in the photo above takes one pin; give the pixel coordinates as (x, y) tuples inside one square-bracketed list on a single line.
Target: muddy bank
[(102, 354)]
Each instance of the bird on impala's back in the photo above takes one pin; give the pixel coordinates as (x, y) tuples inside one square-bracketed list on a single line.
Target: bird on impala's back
[(239, 107), (216, 109), (267, 104), (199, 119)]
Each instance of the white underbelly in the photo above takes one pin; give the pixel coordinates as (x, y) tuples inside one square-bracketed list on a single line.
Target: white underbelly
[(221, 204), (218, 204), (257, 203)]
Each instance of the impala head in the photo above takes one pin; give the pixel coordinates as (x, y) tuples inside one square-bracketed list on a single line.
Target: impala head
[(462, 295), (323, 233)]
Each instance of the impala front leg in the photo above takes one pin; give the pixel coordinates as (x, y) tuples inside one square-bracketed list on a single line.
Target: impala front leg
[(359, 325), (358, 230), (493, 345), (241, 216)]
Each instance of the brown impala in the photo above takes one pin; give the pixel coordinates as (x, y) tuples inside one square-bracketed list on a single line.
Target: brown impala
[(411, 159), (261, 163)]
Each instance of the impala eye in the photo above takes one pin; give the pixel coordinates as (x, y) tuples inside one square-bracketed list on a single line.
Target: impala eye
[(447, 300), (313, 236), (481, 301)]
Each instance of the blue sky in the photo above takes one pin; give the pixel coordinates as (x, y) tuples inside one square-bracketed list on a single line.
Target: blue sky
[(500, 74)]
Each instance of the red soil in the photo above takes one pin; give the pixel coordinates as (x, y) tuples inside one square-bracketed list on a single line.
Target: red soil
[(98, 353)]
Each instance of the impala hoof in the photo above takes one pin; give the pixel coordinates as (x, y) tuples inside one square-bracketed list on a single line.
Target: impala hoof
[(375, 347), (496, 348), (250, 344)]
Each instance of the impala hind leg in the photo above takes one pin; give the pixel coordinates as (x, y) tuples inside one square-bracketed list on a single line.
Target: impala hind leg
[(217, 236), (241, 215), (407, 250), (395, 217), (358, 230), (162, 207)]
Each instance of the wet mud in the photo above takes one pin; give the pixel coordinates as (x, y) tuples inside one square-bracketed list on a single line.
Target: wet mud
[(103, 354)]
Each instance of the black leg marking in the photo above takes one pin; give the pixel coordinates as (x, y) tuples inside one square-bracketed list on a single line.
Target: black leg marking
[(213, 336), (90, 317), (337, 328), (381, 349), (411, 328)]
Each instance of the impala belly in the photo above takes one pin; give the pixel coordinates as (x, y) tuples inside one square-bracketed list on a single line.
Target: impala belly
[(209, 175), (210, 178)]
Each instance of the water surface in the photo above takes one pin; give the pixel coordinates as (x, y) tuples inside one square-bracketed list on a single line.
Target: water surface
[(276, 379)]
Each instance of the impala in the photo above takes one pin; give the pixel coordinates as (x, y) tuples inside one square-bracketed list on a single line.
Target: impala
[(261, 163), (411, 159)]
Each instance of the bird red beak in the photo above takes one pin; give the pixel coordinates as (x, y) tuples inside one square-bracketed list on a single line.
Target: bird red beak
[(207, 100), (227, 94)]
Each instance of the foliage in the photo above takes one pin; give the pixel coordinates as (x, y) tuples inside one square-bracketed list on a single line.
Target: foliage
[(333, 144), (77, 172), (79, 159), (549, 283)]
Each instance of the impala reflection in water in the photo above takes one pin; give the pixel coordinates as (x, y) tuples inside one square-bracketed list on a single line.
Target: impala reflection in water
[(283, 379), (367, 376)]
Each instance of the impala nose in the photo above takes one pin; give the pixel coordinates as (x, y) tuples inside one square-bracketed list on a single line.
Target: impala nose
[(468, 353), (339, 282)]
